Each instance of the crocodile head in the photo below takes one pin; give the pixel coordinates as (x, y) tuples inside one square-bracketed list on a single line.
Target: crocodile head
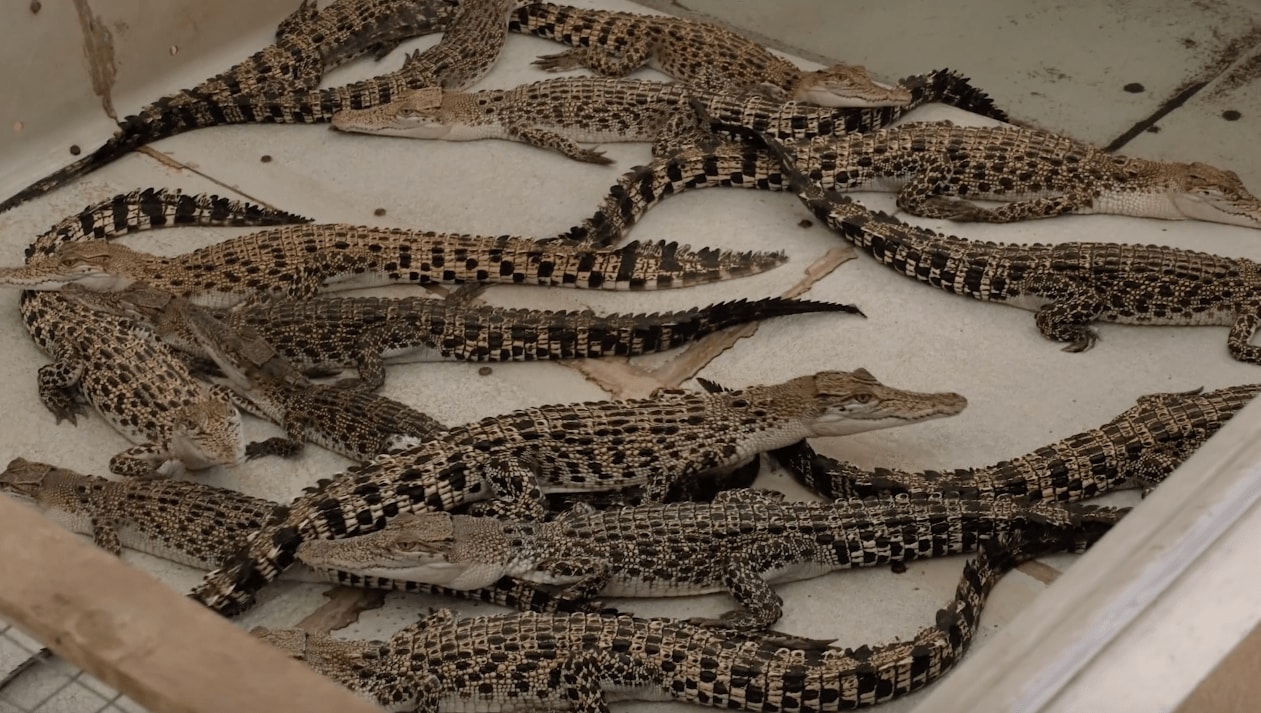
[(207, 433), (93, 264), (847, 86), (51, 489), (432, 547), (25, 478), (855, 401), (1202, 192), (416, 113)]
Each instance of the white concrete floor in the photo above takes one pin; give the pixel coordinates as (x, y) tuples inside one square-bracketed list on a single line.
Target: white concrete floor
[(1064, 67)]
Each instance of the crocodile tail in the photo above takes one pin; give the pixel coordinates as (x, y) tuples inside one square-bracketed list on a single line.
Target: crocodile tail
[(661, 265), (643, 187), (667, 330), (958, 621), (945, 86), (231, 589), (152, 208), (134, 132), (635, 334)]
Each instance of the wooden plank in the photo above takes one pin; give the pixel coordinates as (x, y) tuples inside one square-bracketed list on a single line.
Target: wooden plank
[(139, 636), (1232, 686)]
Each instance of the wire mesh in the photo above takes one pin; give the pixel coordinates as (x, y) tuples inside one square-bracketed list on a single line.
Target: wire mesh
[(49, 684)]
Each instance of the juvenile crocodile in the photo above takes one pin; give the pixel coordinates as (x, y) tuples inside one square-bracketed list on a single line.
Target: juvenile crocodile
[(299, 260), (308, 43), (1042, 173), (558, 113), (600, 446), (352, 422), (468, 50), (700, 54), (581, 662), (129, 377), (325, 335), (1068, 285), (741, 543), (1142, 445)]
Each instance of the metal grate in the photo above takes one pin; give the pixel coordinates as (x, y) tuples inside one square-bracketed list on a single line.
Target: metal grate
[(50, 684)]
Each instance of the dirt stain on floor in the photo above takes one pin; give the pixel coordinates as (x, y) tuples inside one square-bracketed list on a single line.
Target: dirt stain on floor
[(98, 49)]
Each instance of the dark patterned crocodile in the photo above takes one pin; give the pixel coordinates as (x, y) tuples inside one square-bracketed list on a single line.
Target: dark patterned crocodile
[(308, 43), (741, 543), (580, 662), (595, 446), (1140, 446)]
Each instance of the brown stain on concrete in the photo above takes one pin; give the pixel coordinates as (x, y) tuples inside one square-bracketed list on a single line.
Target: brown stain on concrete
[(98, 50)]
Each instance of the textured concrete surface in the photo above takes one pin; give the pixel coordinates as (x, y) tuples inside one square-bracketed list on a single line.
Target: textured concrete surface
[(1064, 68)]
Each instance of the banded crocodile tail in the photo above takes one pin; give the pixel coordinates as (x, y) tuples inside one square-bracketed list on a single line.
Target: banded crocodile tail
[(131, 135), (153, 208), (647, 333), (654, 266), (945, 86), (643, 187)]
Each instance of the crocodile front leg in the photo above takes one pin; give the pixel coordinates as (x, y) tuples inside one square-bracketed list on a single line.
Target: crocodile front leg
[(146, 460), (759, 605), (105, 536), (58, 384)]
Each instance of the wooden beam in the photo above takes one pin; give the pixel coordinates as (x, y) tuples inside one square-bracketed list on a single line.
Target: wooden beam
[(139, 636)]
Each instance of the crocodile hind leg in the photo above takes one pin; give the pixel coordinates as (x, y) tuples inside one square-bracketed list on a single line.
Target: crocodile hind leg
[(1067, 319), (629, 58), (759, 605), (581, 677), (549, 140), (1241, 332), (682, 130)]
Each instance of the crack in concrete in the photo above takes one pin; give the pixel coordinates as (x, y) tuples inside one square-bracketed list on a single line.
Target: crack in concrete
[(98, 50), (1224, 62)]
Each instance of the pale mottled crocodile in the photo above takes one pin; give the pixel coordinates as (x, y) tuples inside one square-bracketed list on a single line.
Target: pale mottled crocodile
[(1140, 446), (1042, 173), (307, 43), (581, 662), (1068, 285), (741, 543), (595, 446), (700, 54), (133, 380), (199, 525), (300, 260), (352, 422), (468, 50), (560, 113)]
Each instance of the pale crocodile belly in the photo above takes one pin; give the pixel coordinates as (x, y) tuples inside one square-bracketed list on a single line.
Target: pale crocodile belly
[(1182, 317), (531, 702)]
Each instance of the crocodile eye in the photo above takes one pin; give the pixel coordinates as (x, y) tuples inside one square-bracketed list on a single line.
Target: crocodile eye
[(861, 398)]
